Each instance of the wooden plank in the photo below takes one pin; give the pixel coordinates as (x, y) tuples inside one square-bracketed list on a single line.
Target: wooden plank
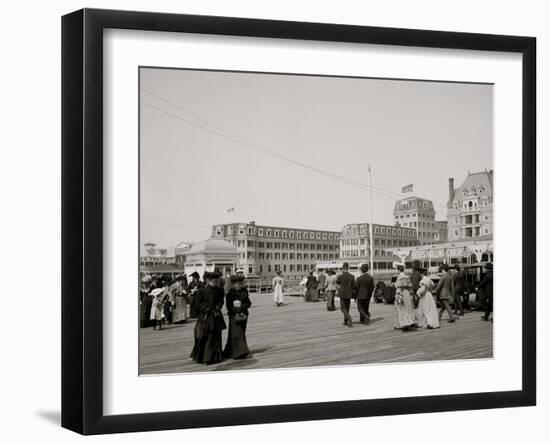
[(301, 334)]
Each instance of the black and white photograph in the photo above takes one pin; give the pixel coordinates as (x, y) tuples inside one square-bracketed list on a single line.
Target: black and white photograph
[(295, 221)]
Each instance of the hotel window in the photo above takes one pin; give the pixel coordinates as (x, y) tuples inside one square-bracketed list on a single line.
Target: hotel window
[(261, 244), (299, 235), (298, 268), (283, 234), (376, 230), (268, 268), (277, 256), (330, 236), (284, 256), (291, 234), (241, 231), (399, 232), (291, 268), (291, 256), (318, 236), (276, 234), (324, 236), (276, 246), (261, 269), (268, 233), (298, 256), (218, 232), (284, 268), (260, 232), (261, 256), (250, 255), (250, 243), (249, 231)]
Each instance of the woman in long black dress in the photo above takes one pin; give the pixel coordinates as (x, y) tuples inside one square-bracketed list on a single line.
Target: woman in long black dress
[(192, 289), (312, 294), (210, 322), (237, 303)]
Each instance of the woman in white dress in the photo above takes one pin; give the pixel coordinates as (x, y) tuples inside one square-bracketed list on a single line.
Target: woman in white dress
[(403, 300), (428, 317), (277, 285)]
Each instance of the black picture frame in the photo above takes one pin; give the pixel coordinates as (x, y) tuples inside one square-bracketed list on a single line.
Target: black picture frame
[(82, 220)]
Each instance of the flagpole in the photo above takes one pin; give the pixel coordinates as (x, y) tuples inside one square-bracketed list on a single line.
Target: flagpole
[(370, 224)]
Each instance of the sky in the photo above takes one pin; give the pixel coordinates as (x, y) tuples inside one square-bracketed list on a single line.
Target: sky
[(214, 140)]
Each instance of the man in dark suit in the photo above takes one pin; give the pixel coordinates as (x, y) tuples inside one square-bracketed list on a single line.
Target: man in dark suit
[(346, 291), (416, 276), (444, 291), (486, 285), (365, 287), (459, 288)]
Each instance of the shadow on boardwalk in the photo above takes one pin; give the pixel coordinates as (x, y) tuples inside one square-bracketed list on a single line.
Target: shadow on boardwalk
[(303, 334)]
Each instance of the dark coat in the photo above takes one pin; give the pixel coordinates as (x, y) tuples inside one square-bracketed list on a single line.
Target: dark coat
[(444, 288), (486, 285), (459, 284), (242, 296), (346, 285), (415, 280), (209, 326), (236, 346), (365, 286), (311, 282)]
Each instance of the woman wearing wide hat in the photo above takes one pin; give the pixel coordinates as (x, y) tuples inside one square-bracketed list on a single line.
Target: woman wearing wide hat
[(237, 303), (403, 300), (210, 322)]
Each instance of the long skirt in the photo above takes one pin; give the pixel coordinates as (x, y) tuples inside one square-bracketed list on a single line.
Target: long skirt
[(193, 311), (427, 314), (208, 343), (278, 294), (405, 311), (312, 295), (236, 346), (179, 314)]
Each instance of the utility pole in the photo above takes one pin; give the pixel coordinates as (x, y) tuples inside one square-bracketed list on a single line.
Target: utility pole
[(370, 224)]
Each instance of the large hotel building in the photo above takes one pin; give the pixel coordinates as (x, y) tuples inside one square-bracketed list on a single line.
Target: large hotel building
[(263, 250), (355, 244), (470, 207)]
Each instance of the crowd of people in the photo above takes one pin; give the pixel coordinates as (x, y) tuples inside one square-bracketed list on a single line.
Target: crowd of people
[(165, 301), (415, 295)]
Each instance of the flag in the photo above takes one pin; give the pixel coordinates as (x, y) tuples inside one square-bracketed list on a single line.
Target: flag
[(408, 188), (230, 210)]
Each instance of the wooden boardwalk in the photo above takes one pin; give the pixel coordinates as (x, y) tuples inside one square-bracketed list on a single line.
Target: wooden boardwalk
[(301, 334)]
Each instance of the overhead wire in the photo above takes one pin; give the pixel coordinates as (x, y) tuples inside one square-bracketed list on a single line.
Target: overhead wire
[(218, 130)]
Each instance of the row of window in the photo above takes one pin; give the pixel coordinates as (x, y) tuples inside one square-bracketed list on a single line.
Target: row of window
[(278, 233), (421, 215), (379, 230), (472, 232), (470, 219), (470, 204), (377, 242), (289, 256), (284, 268), (415, 204), (289, 246), (365, 253)]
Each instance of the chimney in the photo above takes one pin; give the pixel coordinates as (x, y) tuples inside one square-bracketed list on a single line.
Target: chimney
[(451, 189)]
